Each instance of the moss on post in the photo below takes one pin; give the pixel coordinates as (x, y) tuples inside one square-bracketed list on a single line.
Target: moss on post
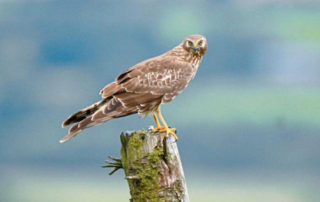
[(152, 167)]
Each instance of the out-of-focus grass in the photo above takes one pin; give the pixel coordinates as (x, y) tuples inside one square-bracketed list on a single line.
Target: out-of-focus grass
[(45, 184), (34, 184), (56, 189), (256, 105), (295, 24)]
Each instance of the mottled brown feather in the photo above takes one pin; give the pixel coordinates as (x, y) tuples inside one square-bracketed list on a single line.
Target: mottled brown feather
[(143, 87)]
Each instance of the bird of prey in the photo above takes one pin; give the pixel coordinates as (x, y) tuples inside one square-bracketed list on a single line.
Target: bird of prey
[(143, 88)]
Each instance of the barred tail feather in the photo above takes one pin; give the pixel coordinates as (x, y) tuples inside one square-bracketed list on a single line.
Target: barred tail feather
[(84, 113), (100, 112), (74, 130), (82, 119), (85, 123)]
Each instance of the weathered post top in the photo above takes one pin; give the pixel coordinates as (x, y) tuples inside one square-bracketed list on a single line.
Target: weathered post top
[(152, 166)]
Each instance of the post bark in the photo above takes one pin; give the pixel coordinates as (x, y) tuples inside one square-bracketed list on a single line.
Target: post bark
[(152, 166)]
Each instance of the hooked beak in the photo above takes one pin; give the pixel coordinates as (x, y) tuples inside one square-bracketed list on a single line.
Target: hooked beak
[(196, 49)]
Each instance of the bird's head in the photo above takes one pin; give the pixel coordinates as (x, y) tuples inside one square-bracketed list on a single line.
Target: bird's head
[(195, 44)]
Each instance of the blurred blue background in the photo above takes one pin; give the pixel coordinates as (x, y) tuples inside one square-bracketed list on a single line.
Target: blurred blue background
[(249, 123)]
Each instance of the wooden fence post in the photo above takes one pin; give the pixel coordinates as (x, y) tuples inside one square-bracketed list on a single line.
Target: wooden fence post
[(152, 167)]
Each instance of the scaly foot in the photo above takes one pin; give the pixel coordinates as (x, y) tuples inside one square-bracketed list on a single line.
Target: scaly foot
[(158, 129), (167, 130)]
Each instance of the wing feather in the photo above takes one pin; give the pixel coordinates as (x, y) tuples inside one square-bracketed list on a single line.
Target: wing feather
[(158, 76)]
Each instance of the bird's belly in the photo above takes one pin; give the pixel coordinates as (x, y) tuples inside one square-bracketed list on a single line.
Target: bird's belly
[(169, 97), (145, 109)]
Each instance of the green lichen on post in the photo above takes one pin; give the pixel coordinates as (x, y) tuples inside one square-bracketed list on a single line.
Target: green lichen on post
[(152, 167), (141, 168), (147, 179), (155, 156)]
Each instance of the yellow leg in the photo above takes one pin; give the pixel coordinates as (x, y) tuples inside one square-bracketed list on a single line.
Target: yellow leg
[(165, 127), (158, 127)]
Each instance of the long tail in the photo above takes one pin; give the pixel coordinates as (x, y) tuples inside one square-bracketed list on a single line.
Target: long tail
[(84, 119)]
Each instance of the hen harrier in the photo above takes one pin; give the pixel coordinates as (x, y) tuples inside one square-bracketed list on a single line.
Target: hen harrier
[(143, 88)]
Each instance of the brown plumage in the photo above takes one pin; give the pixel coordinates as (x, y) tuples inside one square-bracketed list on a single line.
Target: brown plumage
[(144, 87)]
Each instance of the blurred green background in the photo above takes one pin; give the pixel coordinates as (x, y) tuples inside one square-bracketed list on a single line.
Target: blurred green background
[(248, 123)]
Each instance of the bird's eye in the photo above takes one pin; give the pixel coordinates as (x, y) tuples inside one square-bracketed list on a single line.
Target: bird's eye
[(200, 43), (189, 43)]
